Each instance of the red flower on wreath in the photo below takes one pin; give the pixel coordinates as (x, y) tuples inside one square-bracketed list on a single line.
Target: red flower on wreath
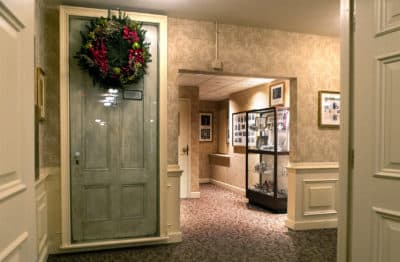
[(130, 35), (99, 53)]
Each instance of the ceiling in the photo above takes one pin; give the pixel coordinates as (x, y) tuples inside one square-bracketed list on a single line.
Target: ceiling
[(305, 16), (218, 86)]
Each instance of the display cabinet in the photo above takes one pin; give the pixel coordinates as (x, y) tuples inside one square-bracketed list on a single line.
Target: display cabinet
[(267, 155)]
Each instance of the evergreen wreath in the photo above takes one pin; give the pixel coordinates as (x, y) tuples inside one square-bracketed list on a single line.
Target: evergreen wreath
[(114, 51)]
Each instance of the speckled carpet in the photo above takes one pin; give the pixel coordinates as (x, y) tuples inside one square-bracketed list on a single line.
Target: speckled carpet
[(222, 226)]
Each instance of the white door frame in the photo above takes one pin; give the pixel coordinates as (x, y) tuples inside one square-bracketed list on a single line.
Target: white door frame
[(345, 170), (189, 171), (161, 21)]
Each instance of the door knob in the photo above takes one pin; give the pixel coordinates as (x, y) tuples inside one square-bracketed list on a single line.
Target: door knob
[(76, 156)]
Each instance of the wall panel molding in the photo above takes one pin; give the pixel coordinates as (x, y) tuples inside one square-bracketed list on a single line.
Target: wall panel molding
[(387, 125), (386, 235), (387, 16), (13, 246), (10, 19), (11, 189), (313, 195)]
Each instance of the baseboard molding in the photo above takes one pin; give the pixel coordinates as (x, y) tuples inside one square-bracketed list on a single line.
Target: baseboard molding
[(233, 188), (194, 194), (204, 180), (174, 237), (312, 224)]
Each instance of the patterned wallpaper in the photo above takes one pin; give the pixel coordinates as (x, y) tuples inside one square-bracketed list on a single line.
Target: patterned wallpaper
[(314, 60), (49, 58)]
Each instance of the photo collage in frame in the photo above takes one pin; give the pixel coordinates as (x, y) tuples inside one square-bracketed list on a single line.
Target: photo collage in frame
[(253, 118), (239, 129)]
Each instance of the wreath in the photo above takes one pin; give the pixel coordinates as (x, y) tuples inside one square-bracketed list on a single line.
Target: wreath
[(114, 51)]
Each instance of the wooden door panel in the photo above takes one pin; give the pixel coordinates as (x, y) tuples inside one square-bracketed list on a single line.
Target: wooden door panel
[(114, 178), (93, 195), (96, 130), (132, 199), (132, 134), (388, 93), (375, 182), (17, 189)]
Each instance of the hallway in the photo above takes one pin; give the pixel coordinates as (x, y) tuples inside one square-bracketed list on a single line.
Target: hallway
[(221, 226)]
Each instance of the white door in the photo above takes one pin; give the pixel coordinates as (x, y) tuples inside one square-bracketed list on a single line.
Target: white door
[(17, 199), (184, 142), (375, 207)]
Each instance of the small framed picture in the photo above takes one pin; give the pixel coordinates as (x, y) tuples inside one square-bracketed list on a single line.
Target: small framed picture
[(328, 109), (277, 94), (206, 127), (205, 135), (41, 93)]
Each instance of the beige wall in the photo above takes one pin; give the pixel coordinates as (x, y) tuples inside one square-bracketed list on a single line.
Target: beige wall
[(223, 122), (207, 148), (49, 57), (312, 59)]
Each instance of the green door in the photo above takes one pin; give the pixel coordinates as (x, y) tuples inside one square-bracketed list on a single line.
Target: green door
[(113, 152)]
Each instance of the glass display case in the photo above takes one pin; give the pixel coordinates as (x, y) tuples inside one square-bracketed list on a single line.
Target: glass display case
[(267, 155)]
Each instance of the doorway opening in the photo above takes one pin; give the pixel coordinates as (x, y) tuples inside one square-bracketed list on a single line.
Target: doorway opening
[(215, 104)]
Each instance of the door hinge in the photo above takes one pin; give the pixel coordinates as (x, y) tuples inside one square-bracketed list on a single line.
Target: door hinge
[(351, 159)]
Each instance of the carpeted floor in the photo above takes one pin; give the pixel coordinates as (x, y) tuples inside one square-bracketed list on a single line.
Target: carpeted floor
[(221, 226)]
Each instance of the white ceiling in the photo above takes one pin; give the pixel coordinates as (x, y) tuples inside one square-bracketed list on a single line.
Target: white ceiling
[(216, 87), (306, 16)]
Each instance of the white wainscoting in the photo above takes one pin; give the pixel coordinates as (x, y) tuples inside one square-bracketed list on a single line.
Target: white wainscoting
[(174, 226), (41, 216), (313, 195), (53, 191)]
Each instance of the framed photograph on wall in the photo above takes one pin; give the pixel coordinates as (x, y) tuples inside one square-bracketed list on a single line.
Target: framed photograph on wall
[(41, 93), (328, 109), (277, 94), (239, 127), (206, 127)]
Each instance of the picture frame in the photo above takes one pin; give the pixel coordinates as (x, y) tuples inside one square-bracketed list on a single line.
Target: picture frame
[(41, 93), (277, 94), (239, 125), (329, 109), (206, 127)]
